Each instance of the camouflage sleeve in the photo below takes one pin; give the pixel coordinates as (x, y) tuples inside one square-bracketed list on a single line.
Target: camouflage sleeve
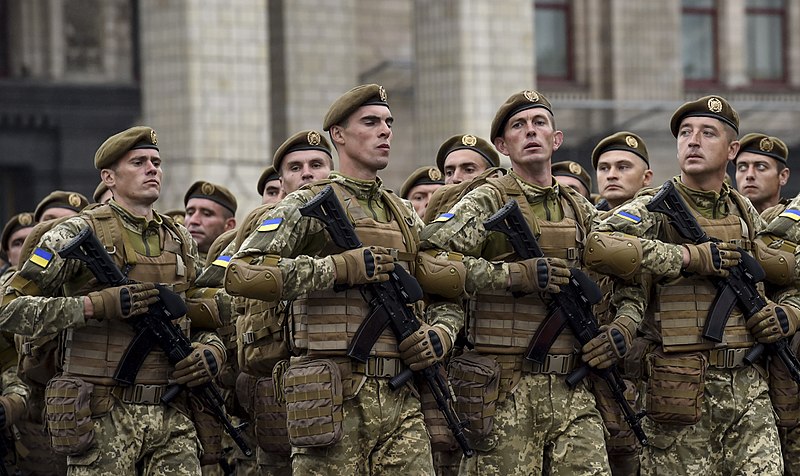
[(209, 338), (13, 384), (193, 252), (25, 308), (448, 315)]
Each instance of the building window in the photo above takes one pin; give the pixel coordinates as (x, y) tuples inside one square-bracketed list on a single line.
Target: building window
[(699, 24), (766, 40), (553, 39)]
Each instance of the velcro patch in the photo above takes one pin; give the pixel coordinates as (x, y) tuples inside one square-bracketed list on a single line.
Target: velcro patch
[(792, 213), (221, 261), (41, 257), (443, 217), (628, 216), (270, 224)]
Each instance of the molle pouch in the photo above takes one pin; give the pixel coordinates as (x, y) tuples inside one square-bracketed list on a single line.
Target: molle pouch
[(675, 387), (783, 391), (269, 412), (260, 337), (209, 432), (475, 380), (245, 392), (313, 391), (68, 415)]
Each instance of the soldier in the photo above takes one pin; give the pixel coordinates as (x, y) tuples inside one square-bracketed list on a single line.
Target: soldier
[(102, 194), (420, 186), (463, 157), (708, 411), (622, 165), (573, 175), (14, 233), (537, 419), (269, 186), (381, 431), (210, 211), (761, 170), (158, 438), (59, 204)]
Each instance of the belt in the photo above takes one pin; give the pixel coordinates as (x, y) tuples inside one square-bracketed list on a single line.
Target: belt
[(138, 394), (727, 358), (559, 364), (384, 367)]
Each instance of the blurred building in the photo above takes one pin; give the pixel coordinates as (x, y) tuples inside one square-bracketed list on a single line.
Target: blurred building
[(223, 82)]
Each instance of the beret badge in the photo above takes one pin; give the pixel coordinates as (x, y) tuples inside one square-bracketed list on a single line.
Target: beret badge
[(632, 142), (469, 140), (434, 174), (153, 137), (26, 218), (382, 93), (715, 105), (74, 200), (530, 96), (766, 144), (207, 189), (313, 138), (574, 168)]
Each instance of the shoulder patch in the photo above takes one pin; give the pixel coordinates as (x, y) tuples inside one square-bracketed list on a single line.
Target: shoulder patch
[(270, 224), (443, 217), (628, 216), (222, 261), (41, 257), (792, 213)]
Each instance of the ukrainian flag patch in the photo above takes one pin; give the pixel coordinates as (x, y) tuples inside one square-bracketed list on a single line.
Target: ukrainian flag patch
[(628, 216), (443, 217), (222, 261), (792, 213), (41, 257), (270, 224)]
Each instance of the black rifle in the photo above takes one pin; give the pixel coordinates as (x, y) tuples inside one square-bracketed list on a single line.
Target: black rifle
[(389, 304), (154, 328), (738, 288), (571, 307)]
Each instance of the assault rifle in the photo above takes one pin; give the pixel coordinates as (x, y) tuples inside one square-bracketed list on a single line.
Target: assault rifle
[(738, 288), (389, 304), (571, 307), (155, 328)]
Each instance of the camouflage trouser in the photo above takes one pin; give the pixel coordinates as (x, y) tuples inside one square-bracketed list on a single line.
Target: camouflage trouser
[(34, 455), (160, 438), (735, 435), (790, 446), (542, 420), (274, 463), (384, 434), (446, 463)]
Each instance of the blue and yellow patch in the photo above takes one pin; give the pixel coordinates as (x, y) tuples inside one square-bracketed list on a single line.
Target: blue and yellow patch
[(41, 257), (443, 217), (628, 216), (270, 224), (221, 261), (792, 213)]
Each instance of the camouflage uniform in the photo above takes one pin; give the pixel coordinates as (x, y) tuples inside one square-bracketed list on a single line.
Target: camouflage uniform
[(384, 432), (736, 431), (539, 422), (160, 437)]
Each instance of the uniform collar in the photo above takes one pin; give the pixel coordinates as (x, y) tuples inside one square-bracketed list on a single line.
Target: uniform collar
[(536, 193), (709, 203), (361, 189), (138, 223)]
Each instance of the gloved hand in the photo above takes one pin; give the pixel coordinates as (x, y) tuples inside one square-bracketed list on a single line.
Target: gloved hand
[(122, 302), (199, 367), (537, 275), (425, 347), (370, 264), (773, 322), (608, 347), (12, 409), (712, 258)]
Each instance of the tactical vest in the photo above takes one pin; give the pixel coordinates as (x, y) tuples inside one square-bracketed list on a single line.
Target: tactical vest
[(94, 351), (503, 324), (679, 308), (325, 322)]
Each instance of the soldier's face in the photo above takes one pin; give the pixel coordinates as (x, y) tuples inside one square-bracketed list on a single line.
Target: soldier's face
[(56, 212), (206, 220), (364, 143), (529, 137), (136, 177), (758, 179), (704, 148), (15, 242), (272, 192), (303, 167), (620, 174), (463, 165), (420, 196)]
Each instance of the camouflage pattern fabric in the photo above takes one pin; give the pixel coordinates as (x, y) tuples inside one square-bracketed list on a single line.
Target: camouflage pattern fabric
[(386, 422), (161, 437), (542, 423), (735, 435), (273, 464), (790, 448)]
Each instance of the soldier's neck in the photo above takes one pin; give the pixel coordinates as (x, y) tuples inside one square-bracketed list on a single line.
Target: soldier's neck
[(537, 175), (139, 209), (705, 183), (356, 171)]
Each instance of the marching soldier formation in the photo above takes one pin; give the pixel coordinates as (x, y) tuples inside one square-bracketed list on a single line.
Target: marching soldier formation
[(485, 320)]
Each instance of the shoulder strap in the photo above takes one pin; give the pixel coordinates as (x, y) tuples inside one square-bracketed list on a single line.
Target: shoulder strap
[(404, 219), (172, 229), (743, 208), (106, 227)]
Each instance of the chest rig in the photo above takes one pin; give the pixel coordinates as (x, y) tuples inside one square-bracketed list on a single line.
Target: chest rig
[(94, 351), (323, 323), (679, 308), (503, 324)]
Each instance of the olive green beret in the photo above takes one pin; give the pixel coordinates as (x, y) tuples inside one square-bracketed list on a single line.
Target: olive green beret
[(627, 141), (303, 140), (707, 106), (269, 174), (17, 222), (177, 215), (765, 145), (99, 191), (210, 191), (364, 95), (521, 101), (139, 137), (426, 175), (467, 141), (573, 169), (60, 199)]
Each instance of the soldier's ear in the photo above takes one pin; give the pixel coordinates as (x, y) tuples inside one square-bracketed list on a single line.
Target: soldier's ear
[(500, 145), (337, 134), (108, 178)]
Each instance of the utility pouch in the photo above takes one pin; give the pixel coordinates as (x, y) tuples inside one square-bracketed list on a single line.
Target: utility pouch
[(209, 432), (68, 415), (313, 391), (675, 387), (783, 391), (475, 380), (269, 412), (260, 337)]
